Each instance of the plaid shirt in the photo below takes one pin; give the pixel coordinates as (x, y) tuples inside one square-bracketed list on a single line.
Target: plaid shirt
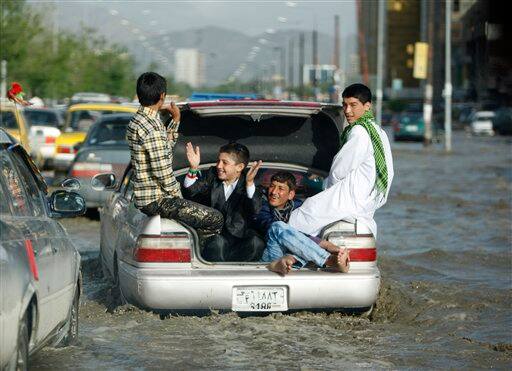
[(151, 157)]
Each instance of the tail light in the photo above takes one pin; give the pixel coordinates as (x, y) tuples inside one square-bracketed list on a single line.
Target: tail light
[(361, 248), (49, 140), (167, 248), (89, 169), (66, 149)]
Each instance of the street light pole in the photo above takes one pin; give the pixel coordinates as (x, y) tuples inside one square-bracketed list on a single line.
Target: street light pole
[(448, 79), (380, 61)]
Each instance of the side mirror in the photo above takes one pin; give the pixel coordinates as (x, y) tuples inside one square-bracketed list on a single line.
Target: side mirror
[(71, 184), (67, 204), (101, 182)]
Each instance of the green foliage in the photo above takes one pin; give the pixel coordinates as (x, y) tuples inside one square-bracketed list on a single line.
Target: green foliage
[(57, 66)]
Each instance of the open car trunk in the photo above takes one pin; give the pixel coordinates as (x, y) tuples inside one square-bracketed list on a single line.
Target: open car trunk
[(302, 140)]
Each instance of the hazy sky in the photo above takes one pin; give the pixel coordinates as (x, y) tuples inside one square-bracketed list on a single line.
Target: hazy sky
[(250, 17)]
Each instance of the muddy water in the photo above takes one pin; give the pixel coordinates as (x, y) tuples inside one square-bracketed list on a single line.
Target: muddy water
[(445, 257)]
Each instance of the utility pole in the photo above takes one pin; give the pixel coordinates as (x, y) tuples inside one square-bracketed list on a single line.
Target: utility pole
[(290, 64), (429, 87), (315, 57), (336, 56), (3, 86), (363, 60), (448, 78), (301, 65), (380, 60)]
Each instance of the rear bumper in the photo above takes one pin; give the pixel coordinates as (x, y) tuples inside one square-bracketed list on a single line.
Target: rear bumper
[(167, 289), (62, 161)]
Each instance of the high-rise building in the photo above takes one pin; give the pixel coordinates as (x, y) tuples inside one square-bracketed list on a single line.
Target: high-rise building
[(189, 67)]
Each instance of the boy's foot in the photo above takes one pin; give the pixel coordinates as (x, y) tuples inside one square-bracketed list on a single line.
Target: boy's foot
[(340, 261), (282, 266), (343, 261)]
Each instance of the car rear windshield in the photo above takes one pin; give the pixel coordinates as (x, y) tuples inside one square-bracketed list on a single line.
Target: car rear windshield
[(8, 120), (109, 133), (45, 118), (82, 120)]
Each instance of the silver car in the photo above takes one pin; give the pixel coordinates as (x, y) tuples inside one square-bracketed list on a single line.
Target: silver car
[(156, 263), (104, 150), (39, 265)]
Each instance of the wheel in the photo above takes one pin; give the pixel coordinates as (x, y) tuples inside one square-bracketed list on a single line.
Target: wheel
[(71, 327), (19, 360)]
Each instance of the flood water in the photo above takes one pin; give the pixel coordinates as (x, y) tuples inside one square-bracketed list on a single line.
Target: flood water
[(445, 257)]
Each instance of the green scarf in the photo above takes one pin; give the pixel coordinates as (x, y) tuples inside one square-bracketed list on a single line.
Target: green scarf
[(366, 120)]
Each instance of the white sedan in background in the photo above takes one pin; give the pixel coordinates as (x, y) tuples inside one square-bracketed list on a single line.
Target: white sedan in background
[(481, 123)]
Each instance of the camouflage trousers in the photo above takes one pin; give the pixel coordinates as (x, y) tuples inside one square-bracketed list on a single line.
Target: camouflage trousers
[(205, 220)]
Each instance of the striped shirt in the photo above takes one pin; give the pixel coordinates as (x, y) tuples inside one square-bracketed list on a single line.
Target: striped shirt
[(151, 157)]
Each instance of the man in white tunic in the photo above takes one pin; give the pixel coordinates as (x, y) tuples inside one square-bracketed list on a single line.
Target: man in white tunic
[(357, 185)]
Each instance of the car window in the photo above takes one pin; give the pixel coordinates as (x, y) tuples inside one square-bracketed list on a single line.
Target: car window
[(45, 118), (108, 132), (128, 190), (6, 206), (8, 120), (30, 184), (14, 186), (82, 120)]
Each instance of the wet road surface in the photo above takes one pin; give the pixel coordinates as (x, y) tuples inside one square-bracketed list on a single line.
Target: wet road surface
[(444, 248)]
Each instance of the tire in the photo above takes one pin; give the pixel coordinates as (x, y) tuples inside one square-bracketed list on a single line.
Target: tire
[(71, 327), (19, 360)]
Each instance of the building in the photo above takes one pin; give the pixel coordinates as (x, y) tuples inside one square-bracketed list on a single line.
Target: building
[(323, 73), (487, 60), (189, 67)]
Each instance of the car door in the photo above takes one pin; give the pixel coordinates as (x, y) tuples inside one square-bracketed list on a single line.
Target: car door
[(125, 219), (30, 210)]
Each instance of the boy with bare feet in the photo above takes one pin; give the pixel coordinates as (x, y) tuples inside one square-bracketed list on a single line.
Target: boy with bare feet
[(283, 240)]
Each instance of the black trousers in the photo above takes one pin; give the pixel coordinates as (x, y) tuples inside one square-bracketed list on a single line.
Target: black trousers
[(221, 248), (205, 220)]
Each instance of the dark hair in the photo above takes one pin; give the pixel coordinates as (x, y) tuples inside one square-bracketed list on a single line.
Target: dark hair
[(150, 86), (239, 151), (285, 177), (358, 91)]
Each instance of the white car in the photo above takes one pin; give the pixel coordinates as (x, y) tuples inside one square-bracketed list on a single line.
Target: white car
[(156, 263), (44, 126), (481, 123)]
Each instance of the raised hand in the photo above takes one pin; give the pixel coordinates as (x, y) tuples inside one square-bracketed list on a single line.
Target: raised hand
[(251, 174), (193, 155), (174, 111)]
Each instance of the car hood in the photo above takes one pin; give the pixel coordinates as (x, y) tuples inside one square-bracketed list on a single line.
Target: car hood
[(301, 133)]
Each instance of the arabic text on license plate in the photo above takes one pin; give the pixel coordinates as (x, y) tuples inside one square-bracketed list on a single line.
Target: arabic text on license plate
[(412, 128), (259, 299)]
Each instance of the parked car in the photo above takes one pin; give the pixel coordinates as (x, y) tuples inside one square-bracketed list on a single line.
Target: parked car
[(39, 265), (502, 121), (13, 121), (45, 124), (80, 117), (156, 263), (409, 126), (481, 123), (104, 150)]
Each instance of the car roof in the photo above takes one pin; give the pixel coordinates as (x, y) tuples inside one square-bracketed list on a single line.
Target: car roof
[(114, 117), (102, 106)]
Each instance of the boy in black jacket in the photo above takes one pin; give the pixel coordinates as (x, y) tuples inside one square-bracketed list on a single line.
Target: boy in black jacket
[(228, 187)]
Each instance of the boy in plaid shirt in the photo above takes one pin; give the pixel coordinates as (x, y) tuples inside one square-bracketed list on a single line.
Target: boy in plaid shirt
[(151, 141)]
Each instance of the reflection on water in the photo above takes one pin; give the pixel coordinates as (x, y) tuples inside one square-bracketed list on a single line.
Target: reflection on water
[(444, 253)]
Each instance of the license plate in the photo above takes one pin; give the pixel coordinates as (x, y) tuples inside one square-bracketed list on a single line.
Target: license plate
[(411, 128), (260, 299)]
